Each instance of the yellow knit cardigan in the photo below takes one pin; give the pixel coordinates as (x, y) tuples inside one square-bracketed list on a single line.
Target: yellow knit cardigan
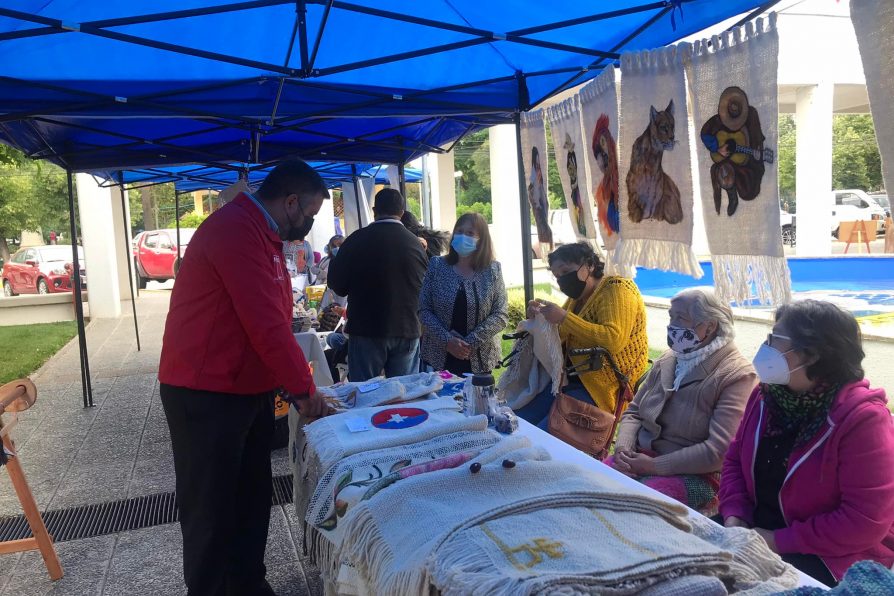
[(613, 318)]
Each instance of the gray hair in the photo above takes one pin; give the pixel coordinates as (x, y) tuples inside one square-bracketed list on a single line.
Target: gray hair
[(705, 306)]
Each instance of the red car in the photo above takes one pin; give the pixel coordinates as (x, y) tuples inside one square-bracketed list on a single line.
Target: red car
[(155, 254), (41, 270)]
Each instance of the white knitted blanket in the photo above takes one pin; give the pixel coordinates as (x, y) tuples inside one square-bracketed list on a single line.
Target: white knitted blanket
[(344, 485), (552, 550), (388, 544), (537, 365), (571, 150), (380, 391), (656, 191), (732, 85), (874, 25)]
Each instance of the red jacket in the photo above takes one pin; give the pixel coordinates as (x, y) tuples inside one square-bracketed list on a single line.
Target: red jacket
[(838, 496), (229, 326)]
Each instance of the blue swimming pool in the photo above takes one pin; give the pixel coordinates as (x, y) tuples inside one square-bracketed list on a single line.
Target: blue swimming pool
[(863, 285)]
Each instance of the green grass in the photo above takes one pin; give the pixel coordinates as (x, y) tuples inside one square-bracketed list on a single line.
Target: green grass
[(24, 348)]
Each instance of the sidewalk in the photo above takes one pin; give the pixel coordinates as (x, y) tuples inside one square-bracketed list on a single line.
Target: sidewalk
[(117, 450)]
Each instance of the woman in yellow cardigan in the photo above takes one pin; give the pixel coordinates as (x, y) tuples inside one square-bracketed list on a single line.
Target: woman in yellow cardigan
[(601, 311)]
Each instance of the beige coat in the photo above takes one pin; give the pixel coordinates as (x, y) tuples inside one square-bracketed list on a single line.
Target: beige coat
[(691, 428)]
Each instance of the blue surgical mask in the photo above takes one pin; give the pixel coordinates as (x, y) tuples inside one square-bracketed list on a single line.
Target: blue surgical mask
[(464, 245), (333, 251)]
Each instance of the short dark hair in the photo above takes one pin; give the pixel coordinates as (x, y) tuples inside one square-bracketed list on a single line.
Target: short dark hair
[(484, 254), (579, 253), (293, 176), (830, 334), (389, 201)]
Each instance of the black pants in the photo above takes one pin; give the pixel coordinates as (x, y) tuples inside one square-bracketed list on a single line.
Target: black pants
[(221, 448)]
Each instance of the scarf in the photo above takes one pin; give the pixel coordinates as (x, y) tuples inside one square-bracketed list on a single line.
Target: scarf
[(801, 413), (686, 363)]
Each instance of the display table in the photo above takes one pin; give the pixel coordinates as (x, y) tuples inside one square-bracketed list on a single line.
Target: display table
[(557, 449), (313, 352)]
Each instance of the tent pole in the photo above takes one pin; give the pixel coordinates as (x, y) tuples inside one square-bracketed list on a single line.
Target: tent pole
[(402, 179), (528, 266), (177, 219), (86, 386), (357, 194), (127, 247)]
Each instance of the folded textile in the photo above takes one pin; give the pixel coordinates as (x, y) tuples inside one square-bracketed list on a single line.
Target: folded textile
[(388, 545), (345, 484), (542, 550), (332, 438), (381, 391), (866, 578)]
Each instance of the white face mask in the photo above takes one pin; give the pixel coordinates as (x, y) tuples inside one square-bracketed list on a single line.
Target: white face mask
[(682, 340), (771, 365)]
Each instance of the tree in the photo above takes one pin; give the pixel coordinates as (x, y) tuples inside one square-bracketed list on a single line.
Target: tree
[(33, 196), (786, 155), (554, 191)]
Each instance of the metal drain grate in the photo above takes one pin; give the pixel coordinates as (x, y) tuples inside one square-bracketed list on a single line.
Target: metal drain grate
[(88, 521)]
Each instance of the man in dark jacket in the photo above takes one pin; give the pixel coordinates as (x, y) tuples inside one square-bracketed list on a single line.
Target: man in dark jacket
[(380, 269), (228, 345)]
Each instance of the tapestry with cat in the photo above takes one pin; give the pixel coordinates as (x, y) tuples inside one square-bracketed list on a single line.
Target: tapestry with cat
[(656, 191), (733, 92), (570, 147), (533, 149)]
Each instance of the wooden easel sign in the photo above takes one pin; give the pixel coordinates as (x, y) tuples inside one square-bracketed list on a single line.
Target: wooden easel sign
[(857, 232)]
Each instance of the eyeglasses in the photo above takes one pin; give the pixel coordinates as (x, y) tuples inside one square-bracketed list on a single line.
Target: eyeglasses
[(771, 335)]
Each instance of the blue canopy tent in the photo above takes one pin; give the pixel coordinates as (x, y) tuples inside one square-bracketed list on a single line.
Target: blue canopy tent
[(257, 81)]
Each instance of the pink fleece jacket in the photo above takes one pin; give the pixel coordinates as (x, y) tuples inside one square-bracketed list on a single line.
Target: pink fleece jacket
[(838, 495)]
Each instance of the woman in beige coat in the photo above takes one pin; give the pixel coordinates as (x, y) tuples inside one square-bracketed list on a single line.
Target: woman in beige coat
[(675, 433)]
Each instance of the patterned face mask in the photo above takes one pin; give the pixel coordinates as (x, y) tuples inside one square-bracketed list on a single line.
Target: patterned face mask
[(682, 340)]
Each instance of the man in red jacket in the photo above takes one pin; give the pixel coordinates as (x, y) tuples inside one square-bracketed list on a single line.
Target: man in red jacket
[(228, 345)]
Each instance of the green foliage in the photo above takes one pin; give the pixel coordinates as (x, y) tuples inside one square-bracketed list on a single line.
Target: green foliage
[(517, 305), (33, 196), (26, 347), (786, 157), (856, 162), (485, 209), (554, 189), (190, 220), (472, 158)]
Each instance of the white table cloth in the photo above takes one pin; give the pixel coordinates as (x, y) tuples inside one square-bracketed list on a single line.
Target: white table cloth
[(313, 352)]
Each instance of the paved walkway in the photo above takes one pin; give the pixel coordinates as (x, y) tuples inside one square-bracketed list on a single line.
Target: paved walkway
[(118, 449)]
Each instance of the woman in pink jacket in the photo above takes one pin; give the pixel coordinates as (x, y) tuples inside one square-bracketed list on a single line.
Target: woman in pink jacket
[(811, 468)]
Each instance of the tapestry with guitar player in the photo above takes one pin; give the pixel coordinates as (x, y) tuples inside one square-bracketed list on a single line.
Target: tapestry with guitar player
[(736, 142), (733, 93)]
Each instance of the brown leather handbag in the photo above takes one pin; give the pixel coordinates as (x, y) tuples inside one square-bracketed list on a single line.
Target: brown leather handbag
[(584, 425)]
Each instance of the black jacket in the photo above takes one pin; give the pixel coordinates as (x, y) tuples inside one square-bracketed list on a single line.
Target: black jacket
[(380, 269)]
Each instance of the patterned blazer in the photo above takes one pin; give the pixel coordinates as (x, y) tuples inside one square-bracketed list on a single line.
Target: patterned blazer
[(488, 313)]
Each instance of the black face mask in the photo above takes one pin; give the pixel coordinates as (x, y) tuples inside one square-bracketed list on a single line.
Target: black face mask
[(571, 285), (300, 232)]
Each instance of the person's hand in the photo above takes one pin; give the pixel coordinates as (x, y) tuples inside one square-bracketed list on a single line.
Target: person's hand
[(769, 537), (458, 348), (313, 406), (735, 522), (553, 313), (635, 464)]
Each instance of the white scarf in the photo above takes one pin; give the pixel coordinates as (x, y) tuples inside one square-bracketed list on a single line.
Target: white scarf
[(687, 362)]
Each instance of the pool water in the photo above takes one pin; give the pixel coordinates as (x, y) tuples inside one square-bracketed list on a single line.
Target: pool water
[(862, 285)]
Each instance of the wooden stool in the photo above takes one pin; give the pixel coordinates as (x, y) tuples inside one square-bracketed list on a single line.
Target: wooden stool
[(16, 397)]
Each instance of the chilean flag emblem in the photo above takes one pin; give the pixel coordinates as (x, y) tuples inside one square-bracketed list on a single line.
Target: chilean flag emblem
[(397, 418)]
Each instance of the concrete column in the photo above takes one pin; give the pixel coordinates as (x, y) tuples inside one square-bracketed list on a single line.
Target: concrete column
[(505, 202), (98, 237), (123, 238), (198, 202), (813, 175), (353, 219), (441, 169), (324, 227)]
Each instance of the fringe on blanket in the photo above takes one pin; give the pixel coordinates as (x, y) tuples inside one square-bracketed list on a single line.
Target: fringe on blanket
[(666, 255), (746, 279), (613, 265)]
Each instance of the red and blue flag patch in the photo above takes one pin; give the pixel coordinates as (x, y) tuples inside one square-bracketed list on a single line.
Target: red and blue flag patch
[(398, 418)]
